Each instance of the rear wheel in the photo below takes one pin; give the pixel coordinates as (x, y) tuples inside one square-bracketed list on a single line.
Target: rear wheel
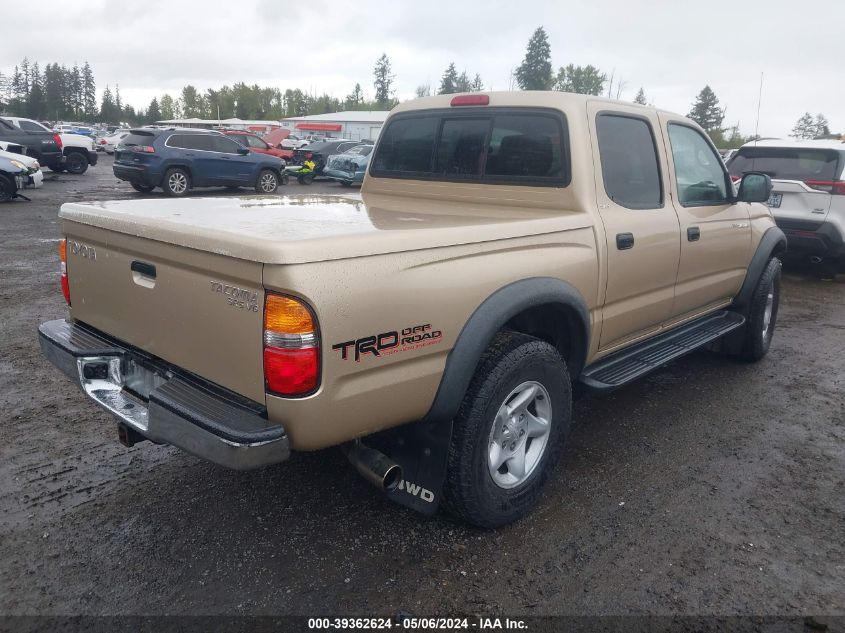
[(509, 431), (762, 314), (141, 188), (7, 189), (76, 163), (267, 182), (306, 179), (176, 182)]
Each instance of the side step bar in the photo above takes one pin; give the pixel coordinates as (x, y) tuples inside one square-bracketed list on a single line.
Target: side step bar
[(633, 362)]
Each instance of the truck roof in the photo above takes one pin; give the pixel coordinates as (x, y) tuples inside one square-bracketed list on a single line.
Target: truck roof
[(522, 98), (799, 143)]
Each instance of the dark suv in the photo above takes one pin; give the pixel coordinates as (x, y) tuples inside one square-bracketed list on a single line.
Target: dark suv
[(178, 160)]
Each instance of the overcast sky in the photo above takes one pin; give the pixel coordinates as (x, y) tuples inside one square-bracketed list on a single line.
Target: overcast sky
[(670, 48)]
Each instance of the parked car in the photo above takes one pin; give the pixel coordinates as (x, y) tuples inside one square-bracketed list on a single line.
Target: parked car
[(109, 142), (43, 145), (349, 167), (274, 138), (808, 195), (256, 144), (77, 150), (506, 247), (320, 152), (294, 142), (18, 172), (178, 160)]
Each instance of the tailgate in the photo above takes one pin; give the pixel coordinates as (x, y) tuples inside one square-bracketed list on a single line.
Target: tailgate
[(197, 310), (796, 200)]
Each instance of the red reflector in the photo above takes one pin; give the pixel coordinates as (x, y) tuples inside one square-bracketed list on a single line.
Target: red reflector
[(291, 372), (736, 178), (57, 140), (470, 100), (66, 288)]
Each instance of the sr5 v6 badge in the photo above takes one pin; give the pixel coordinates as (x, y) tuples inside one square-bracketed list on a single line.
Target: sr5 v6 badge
[(387, 343)]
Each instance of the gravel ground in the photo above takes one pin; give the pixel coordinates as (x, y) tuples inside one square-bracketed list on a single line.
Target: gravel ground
[(710, 487)]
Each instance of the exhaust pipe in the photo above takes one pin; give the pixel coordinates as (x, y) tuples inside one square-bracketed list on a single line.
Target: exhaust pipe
[(375, 466), (815, 259)]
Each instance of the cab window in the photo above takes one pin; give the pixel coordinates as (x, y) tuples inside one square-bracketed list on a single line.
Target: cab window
[(629, 165), (699, 170)]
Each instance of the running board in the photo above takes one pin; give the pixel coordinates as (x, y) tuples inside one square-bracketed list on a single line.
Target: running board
[(631, 363)]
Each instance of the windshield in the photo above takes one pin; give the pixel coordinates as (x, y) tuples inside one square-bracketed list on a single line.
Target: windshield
[(360, 150)]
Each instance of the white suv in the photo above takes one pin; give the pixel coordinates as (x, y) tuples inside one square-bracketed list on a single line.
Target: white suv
[(808, 198)]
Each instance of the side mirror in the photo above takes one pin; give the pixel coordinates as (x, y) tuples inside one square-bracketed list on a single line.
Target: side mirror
[(243, 151), (754, 187)]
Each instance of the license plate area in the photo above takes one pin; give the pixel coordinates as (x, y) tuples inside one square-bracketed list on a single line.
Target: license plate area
[(774, 200)]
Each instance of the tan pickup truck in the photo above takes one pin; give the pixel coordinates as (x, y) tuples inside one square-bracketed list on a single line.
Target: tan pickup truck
[(505, 248)]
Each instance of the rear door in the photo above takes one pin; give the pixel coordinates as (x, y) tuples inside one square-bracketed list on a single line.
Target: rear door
[(640, 225), (802, 180), (715, 230), (196, 152)]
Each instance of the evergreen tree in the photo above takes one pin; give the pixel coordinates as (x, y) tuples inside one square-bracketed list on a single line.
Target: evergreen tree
[(822, 125), (706, 111), (382, 81), (640, 98), (535, 71), (109, 112), (477, 84), (449, 81), (463, 84), (423, 90), (166, 106), (191, 106), (153, 112), (585, 80), (89, 93), (117, 102), (805, 127), (74, 89), (355, 99)]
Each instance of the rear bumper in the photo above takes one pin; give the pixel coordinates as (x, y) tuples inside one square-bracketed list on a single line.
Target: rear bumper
[(160, 405), (811, 237), (137, 175)]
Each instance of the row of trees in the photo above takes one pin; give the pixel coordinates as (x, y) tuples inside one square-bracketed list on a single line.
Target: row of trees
[(59, 92)]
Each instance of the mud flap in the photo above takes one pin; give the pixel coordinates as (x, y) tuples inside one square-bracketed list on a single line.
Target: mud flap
[(422, 450)]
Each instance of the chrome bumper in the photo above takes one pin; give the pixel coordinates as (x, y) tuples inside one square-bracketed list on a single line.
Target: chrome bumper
[(162, 406)]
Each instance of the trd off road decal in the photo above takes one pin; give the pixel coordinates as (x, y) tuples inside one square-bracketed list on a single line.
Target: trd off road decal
[(387, 343)]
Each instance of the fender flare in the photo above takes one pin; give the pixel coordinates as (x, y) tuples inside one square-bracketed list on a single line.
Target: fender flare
[(773, 241), (487, 319)]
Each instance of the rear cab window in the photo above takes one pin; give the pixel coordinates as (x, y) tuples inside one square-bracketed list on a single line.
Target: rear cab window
[(489, 145), (788, 163)]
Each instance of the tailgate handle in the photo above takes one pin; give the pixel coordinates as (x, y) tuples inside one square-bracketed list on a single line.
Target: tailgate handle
[(148, 270)]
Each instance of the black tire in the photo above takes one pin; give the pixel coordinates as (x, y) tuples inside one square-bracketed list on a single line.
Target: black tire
[(285, 179), (307, 179), (7, 189), (512, 361), (76, 163), (176, 182), (141, 188), (760, 322), (267, 182), (56, 168), (345, 183)]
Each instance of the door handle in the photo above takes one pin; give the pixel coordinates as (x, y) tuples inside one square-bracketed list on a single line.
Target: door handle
[(191, 154), (693, 234), (143, 268), (624, 241)]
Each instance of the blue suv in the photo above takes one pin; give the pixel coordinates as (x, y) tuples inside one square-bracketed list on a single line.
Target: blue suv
[(178, 160)]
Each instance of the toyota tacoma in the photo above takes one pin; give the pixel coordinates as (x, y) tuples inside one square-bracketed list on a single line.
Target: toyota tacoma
[(505, 250)]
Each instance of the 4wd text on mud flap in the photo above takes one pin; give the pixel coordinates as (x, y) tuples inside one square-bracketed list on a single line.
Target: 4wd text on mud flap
[(388, 343), (417, 491)]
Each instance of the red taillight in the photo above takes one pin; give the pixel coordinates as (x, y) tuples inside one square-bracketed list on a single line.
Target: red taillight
[(835, 187), (308, 155), (143, 149), (63, 269), (291, 346), (57, 140), (736, 178), (291, 371), (470, 100), (102, 141)]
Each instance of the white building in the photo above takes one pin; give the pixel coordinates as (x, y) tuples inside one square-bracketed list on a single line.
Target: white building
[(353, 124)]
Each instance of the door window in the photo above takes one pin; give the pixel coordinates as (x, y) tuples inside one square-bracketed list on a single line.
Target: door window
[(699, 170), (256, 142), (629, 162), (223, 144)]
